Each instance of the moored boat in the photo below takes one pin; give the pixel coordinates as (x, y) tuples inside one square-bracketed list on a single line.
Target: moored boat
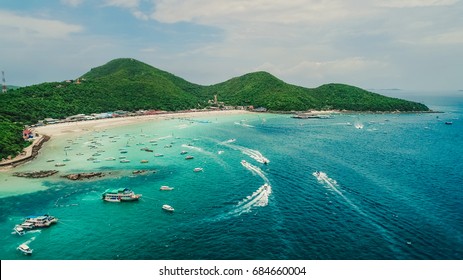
[(34, 221), (189, 157), (198, 169), (120, 195)]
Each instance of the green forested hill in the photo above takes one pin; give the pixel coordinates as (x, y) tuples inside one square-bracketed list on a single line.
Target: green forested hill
[(128, 84)]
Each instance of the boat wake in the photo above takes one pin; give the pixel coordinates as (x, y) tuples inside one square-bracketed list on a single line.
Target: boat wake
[(255, 170), (29, 241), (241, 123), (254, 154), (259, 198), (333, 185)]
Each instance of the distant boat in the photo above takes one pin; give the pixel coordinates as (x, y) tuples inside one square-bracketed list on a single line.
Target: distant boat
[(448, 123), (25, 249), (358, 125), (158, 155), (167, 208), (165, 188), (183, 152), (189, 157), (198, 169), (110, 158), (60, 164), (143, 161), (124, 161)]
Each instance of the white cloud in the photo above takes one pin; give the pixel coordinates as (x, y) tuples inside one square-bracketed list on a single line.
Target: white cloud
[(415, 3), (17, 26), (122, 3), (72, 3), (269, 11)]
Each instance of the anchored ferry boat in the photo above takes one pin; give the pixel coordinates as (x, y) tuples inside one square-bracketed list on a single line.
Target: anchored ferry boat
[(32, 222), (119, 195)]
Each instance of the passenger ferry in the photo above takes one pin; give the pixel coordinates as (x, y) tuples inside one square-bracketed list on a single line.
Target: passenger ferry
[(32, 222), (120, 195), (40, 221)]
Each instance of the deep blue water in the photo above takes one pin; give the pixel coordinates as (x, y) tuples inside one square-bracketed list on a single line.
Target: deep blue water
[(392, 190)]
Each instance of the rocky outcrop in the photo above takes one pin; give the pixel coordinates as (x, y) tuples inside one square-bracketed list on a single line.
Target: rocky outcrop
[(82, 176), (36, 174)]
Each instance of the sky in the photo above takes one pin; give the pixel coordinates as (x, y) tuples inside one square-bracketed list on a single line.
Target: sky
[(372, 44)]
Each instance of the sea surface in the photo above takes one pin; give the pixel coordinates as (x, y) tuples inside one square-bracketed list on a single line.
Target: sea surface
[(355, 186)]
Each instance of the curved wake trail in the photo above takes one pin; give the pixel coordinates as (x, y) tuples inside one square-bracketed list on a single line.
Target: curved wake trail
[(330, 183), (255, 170), (258, 198), (29, 241), (254, 154)]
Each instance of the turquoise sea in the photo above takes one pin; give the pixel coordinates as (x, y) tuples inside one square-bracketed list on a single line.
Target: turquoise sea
[(392, 189)]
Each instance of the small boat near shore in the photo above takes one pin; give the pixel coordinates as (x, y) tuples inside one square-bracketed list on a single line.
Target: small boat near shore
[(120, 195), (167, 208), (25, 249)]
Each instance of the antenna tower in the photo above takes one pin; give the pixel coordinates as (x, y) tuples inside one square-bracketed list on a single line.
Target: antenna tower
[(3, 82)]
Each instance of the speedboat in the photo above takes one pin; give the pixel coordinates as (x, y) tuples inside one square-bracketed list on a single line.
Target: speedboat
[(25, 249), (166, 188), (189, 157), (167, 208), (19, 230), (198, 169), (183, 152)]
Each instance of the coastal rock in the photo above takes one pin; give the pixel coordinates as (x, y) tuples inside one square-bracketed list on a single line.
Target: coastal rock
[(36, 174), (82, 176)]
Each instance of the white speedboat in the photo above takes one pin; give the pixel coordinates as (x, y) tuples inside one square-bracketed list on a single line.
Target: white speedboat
[(19, 230), (165, 188), (167, 208), (198, 169), (25, 249)]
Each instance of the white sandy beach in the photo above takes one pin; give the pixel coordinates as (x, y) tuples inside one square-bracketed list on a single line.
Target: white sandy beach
[(60, 129)]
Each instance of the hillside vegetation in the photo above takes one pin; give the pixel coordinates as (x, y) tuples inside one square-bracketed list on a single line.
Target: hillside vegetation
[(128, 84)]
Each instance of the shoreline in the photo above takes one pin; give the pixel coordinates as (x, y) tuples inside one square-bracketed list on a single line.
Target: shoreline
[(48, 132)]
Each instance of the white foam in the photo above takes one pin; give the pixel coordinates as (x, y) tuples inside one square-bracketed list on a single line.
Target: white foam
[(254, 154)]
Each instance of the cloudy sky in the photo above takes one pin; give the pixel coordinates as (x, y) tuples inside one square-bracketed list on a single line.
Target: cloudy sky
[(373, 44)]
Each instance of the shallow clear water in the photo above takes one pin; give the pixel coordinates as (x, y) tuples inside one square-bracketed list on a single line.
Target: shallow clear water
[(392, 190)]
